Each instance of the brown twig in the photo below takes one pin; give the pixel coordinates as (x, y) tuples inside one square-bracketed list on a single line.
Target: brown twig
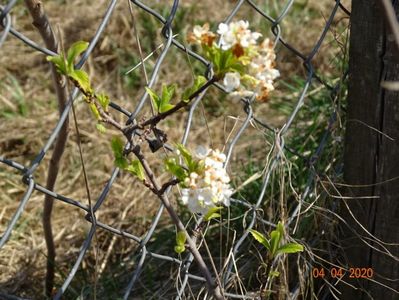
[(168, 184), (93, 98), (40, 21), (159, 117)]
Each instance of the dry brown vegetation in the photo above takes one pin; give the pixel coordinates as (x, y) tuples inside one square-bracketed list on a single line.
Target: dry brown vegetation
[(28, 114)]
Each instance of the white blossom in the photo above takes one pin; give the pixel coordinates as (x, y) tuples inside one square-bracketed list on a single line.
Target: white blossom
[(237, 33), (256, 57), (201, 35), (209, 188), (231, 81)]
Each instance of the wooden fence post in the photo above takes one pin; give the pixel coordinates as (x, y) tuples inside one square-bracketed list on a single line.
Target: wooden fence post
[(371, 162)]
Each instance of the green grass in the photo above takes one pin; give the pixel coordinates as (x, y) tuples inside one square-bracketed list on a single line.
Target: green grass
[(14, 99)]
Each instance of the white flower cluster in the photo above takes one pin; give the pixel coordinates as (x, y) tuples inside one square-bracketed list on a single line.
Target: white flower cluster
[(257, 57), (211, 187), (260, 59), (237, 33)]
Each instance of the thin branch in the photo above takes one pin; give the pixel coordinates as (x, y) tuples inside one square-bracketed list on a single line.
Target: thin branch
[(159, 117), (215, 289), (40, 21), (168, 184)]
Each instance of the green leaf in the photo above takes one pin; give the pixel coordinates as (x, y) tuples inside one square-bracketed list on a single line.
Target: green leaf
[(184, 151), (165, 107), (212, 213), (275, 238), (175, 169), (180, 249), (225, 61), (280, 229), (82, 78), (59, 62), (154, 97), (103, 99), (192, 165), (75, 50), (180, 241), (117, 146), (260, 238), (95, 111), (136, 168), (290, 248), (168, 92), (199, 81), (101, 128), (181, 238), (121, 162)]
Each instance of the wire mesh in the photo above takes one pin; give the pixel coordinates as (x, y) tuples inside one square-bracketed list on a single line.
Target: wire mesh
[(186, 271)]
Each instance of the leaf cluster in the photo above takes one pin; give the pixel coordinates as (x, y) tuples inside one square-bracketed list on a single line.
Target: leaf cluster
[(65, 66), (273, 243), (121, 161), (181, 172), (223, 60)]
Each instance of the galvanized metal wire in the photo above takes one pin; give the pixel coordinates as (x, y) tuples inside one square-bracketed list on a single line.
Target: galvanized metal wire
[(7, 31)]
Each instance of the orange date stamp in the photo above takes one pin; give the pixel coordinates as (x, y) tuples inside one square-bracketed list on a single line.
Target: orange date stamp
[(353, 273)]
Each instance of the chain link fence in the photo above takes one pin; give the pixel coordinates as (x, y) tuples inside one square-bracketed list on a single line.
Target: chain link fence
[(188, 282)]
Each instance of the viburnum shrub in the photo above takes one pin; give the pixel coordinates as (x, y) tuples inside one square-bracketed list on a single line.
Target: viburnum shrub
[(245, 66)]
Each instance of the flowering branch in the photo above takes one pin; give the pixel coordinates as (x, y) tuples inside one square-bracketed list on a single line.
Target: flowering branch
[(159, 191)]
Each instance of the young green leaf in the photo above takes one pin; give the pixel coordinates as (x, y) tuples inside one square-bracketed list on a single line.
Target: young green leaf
[(192, 165), (59, 62), (226, 60), (212, 213), (180, 238), (175, 169), (82, 78), (103, 99), (290, 248), (180, 249), (164, 107), (154, 97), (280, 229), (136, 168), (260, 238), (168, 92), (75, 50), (184, 151), (95, 111), (275, 238), (180, 241), (117, 148), (101, 128), (121, 162), (199, 81)]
